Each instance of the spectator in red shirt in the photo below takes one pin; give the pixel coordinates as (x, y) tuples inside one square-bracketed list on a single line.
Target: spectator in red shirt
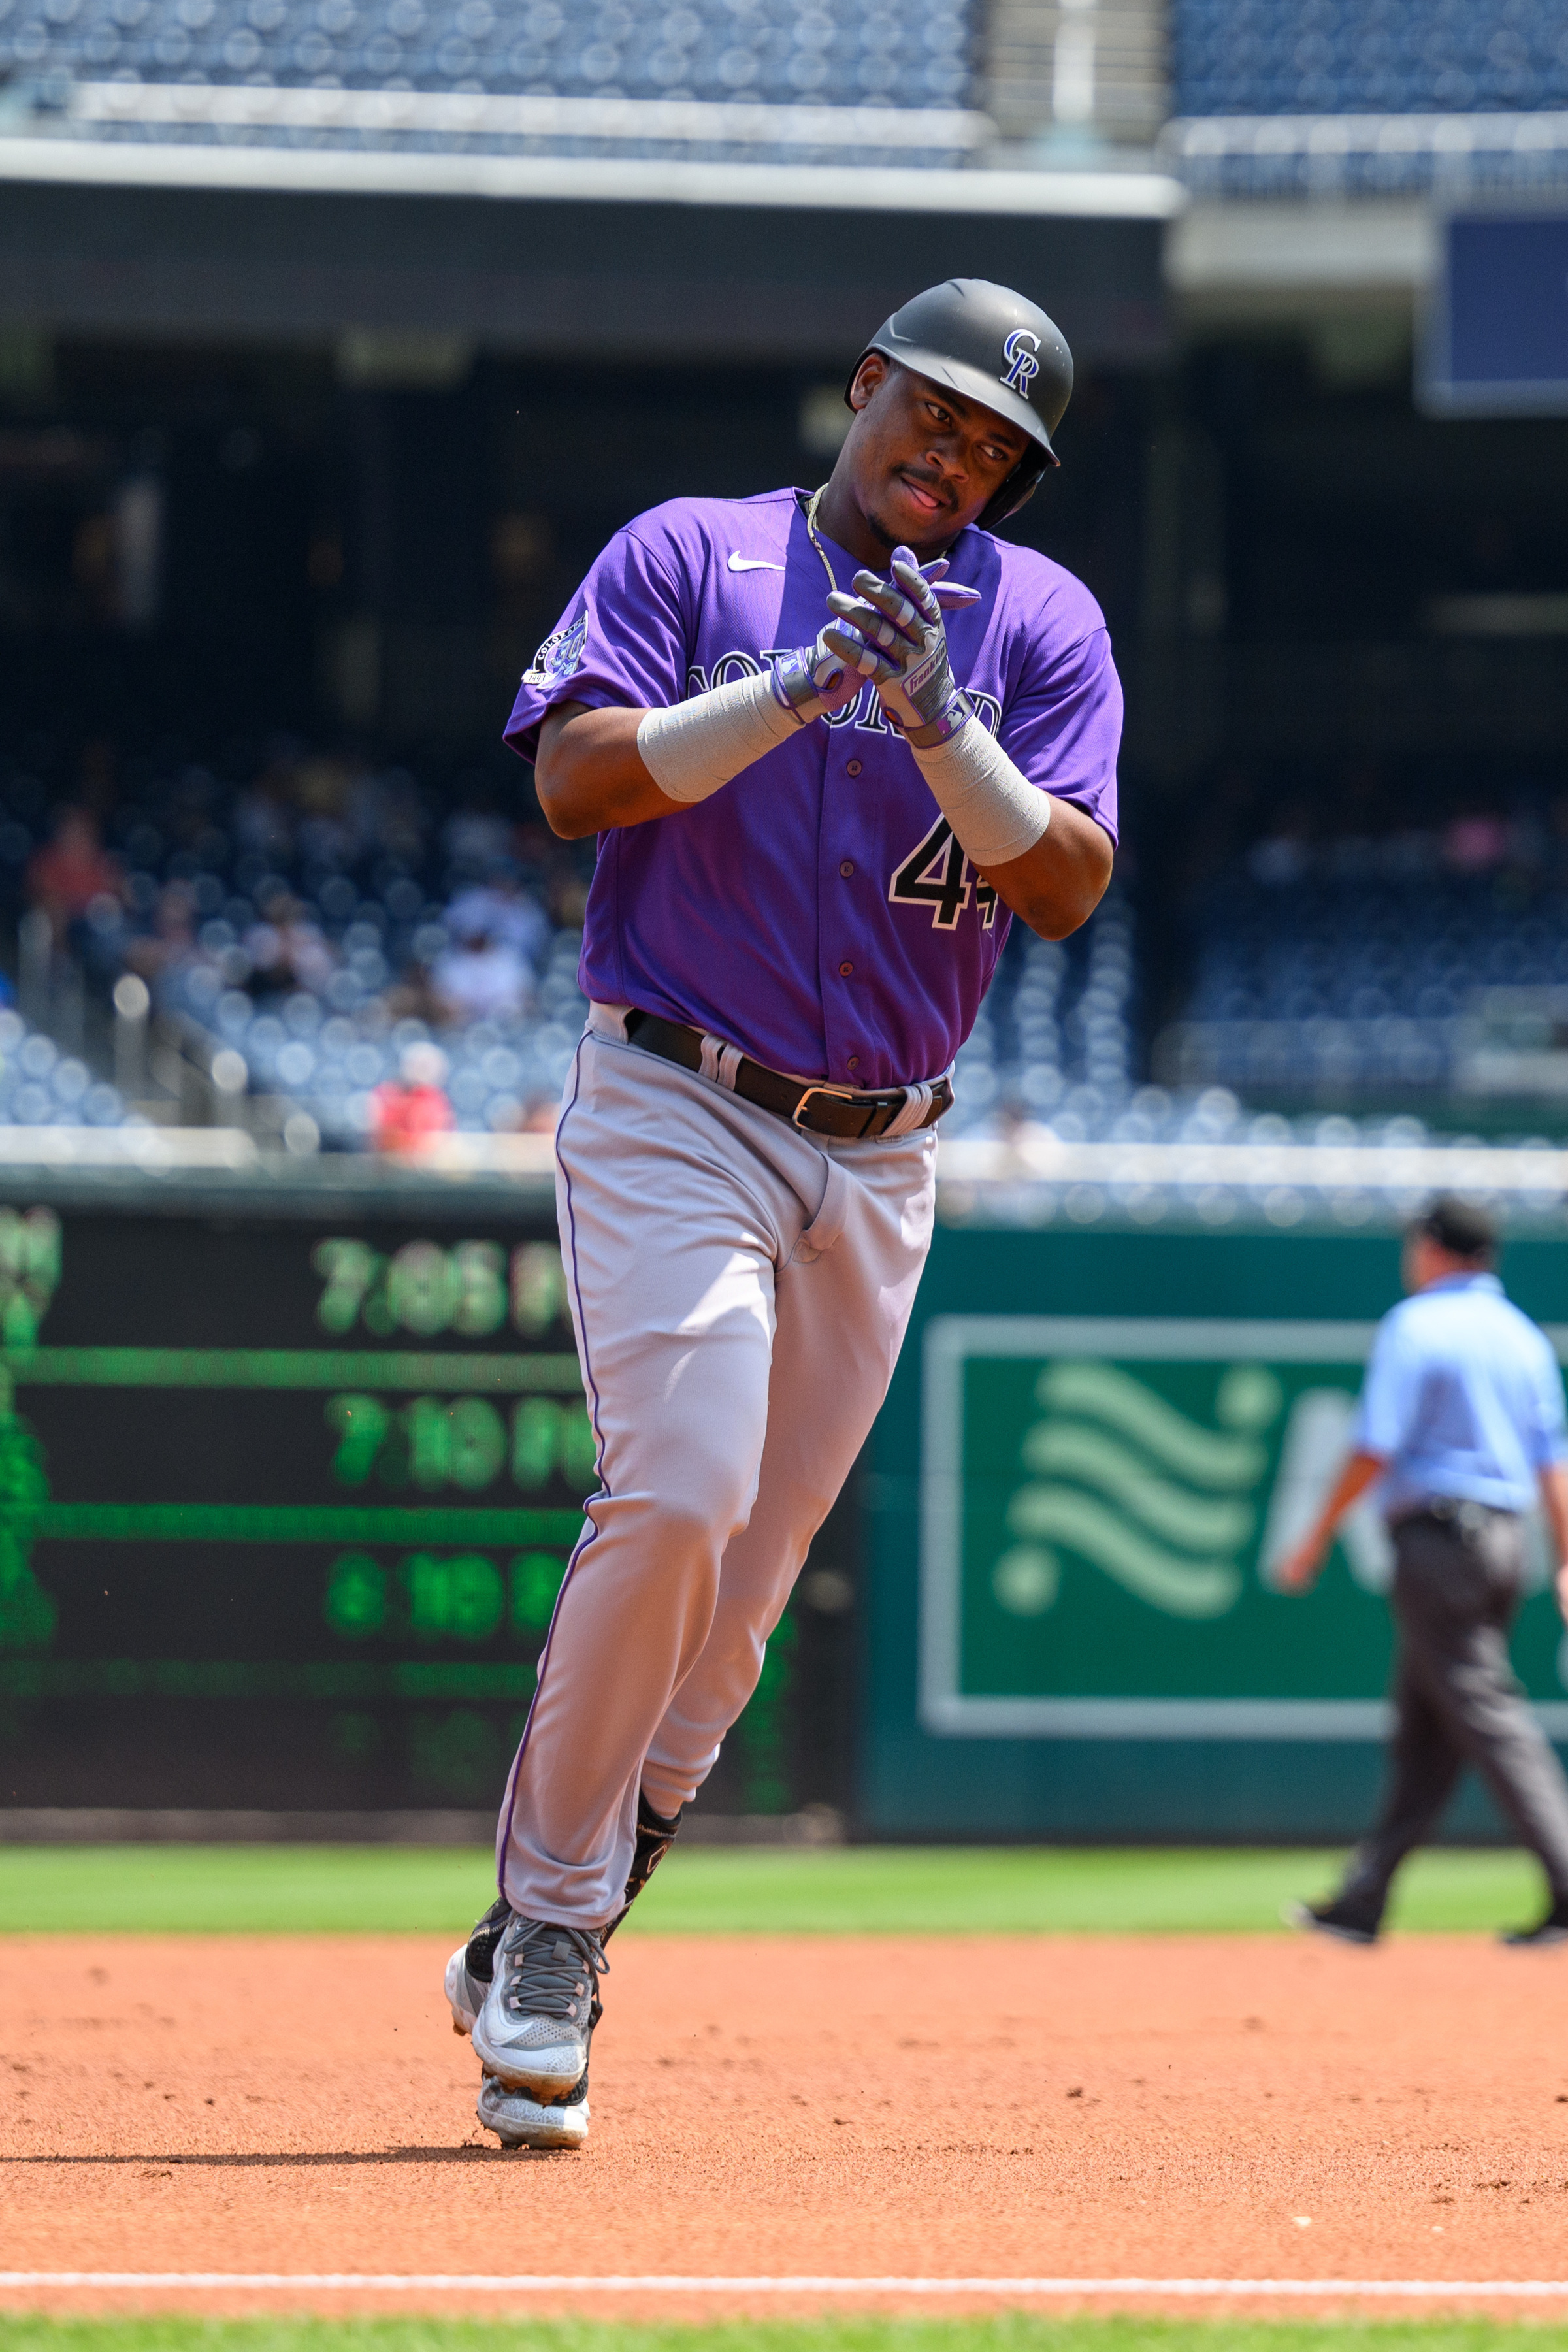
[(407, 1110), (69, 872)]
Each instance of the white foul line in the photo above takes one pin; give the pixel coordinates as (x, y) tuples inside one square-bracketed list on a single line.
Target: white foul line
[(461, 2283)]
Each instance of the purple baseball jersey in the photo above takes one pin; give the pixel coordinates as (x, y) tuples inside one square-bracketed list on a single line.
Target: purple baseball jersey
[(817, 912)]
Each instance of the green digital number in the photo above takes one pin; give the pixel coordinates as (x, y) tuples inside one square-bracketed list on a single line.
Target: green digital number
[(535, 1435), (548, 1438), (422, 1287), (480, 1271), (428, 1424), (479, 1443), (349, 1268), (460, 1445), (29, 1272), (355, 1604), (30, 1247), (360, 1424), (535, 1582), (579, 1448), (462, 1598), (434, 1443), (538, 1287)]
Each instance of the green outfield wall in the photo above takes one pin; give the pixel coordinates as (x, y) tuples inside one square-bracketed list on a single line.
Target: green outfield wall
[(290, 1467), (1097, 1444)]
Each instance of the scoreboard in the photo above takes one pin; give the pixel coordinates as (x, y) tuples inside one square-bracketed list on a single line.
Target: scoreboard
[(284, 1503), (291, 1469), (1497, 332)]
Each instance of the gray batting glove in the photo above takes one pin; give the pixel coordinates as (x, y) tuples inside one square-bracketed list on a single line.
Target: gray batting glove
[(894, 633), (815, 679)]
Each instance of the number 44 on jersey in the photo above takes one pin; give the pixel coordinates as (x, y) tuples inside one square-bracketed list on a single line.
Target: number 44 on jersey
[(937, 874)]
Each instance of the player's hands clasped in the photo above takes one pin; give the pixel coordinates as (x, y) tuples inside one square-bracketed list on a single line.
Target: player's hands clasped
[(815, 679), (893, 632)]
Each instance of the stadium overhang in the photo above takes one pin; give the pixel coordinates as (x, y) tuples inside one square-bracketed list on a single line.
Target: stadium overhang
[(567, 255), (1255, 262)]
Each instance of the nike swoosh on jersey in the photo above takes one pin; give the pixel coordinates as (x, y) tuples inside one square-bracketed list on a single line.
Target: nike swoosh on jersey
[(753, 563)]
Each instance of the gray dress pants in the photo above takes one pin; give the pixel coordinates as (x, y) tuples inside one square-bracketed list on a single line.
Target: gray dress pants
[(1456, 1590)]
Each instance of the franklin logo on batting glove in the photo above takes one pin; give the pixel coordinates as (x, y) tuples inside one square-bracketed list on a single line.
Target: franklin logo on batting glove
[(894, 634)]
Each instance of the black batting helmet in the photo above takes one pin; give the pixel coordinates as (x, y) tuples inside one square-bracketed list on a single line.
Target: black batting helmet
[(991, 345)]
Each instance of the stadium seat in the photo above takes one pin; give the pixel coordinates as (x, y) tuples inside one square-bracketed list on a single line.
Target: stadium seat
[(769, 55)]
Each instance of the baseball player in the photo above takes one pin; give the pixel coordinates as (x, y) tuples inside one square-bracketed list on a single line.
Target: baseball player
[(831, 745)]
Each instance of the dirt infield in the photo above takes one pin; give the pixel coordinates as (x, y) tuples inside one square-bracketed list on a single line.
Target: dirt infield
[(1164, 2107)]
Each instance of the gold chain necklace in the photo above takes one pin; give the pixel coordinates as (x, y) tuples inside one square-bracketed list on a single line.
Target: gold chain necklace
[(813, 502)]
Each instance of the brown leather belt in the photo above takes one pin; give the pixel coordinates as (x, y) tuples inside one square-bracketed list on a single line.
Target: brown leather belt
[(820, 1109)]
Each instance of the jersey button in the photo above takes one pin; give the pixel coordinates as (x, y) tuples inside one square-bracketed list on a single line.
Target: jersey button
[(848, 868), (853, 769), (854, 1062), (844, 970)]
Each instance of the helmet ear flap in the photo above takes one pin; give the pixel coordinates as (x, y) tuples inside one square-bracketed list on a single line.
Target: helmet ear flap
[(1016, 491)]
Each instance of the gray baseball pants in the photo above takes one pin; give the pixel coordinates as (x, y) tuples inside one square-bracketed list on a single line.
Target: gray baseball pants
[(740, 1292), (1456, 1701)]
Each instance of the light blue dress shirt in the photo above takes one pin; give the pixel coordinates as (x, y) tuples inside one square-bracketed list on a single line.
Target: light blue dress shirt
[(1463, 1398)]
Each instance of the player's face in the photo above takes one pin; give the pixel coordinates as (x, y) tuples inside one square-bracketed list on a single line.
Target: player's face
[(923, 461)]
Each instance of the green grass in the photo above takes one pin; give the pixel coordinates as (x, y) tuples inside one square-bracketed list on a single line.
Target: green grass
[(1010, 2332), (892, 1890)]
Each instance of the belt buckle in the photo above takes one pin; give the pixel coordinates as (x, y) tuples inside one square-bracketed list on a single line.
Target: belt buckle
[(838, 1094)]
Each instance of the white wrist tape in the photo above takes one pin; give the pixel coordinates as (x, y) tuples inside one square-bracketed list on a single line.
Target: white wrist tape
[(994, 812), (693, 748)]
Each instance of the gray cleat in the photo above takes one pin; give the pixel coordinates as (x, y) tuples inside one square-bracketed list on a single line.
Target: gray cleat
[(472, 1965), (537, 2019), (519, 2121)]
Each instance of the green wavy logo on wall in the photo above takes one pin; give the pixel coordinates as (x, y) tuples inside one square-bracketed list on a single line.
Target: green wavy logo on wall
[(1159, 1503)]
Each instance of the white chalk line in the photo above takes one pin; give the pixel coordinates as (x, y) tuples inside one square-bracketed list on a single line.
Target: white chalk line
[(521, 2284)]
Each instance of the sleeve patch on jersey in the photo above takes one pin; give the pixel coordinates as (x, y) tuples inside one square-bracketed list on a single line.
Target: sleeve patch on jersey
[(560, 654)]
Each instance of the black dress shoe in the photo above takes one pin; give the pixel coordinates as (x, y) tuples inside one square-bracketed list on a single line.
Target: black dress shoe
[(1334, 1919), (1552, 1929)]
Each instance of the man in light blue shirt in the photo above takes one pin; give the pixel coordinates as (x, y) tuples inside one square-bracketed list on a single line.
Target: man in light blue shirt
[(1461, 1418)]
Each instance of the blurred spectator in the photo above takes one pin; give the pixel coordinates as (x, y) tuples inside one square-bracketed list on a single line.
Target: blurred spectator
[(170, 949), (321, 790), (286, 951), (475, 839), (263, 819), (502, 909), (1281, 859), (1474, 844), (480, 978), (71, 870), (568, 898), (413, 997), (383, 815), (406, 1111)]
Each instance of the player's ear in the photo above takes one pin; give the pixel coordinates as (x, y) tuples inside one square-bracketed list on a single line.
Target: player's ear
[(869, 376)]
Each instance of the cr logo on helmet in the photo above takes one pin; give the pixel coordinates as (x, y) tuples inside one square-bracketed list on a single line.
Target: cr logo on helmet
[(1023, 367)]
